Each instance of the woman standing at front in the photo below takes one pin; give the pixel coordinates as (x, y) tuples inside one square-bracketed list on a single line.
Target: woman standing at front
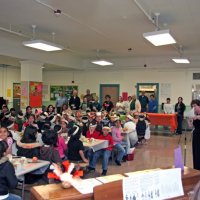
[(196, 134)]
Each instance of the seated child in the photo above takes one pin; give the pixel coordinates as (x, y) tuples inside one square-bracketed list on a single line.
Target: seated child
[(118, 142), (75, 146), (5, 136), (61, 146), (8, 179), (103, 152), (48, 151), (29, 137), (92, 132)]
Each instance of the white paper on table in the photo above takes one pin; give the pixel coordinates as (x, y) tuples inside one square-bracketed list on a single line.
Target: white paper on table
[(142, 172), (110, 178), (155, 185), (85, 186)]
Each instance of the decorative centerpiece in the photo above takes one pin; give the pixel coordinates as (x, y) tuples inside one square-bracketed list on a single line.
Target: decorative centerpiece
[(70, 174)]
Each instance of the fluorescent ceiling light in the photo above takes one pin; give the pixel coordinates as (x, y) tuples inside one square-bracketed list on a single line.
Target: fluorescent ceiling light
[(181, 60), (102, 62), (43, 45), (159, 38)]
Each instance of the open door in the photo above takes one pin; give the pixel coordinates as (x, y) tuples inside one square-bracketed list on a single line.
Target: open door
[(112, 90)]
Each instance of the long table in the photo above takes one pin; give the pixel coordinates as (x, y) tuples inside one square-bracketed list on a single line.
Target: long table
[(27, 167), (107, 191), (30, 167), (96, 144), (164, 120)]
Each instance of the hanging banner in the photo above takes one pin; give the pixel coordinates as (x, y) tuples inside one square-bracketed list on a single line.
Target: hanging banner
[(35, 94)]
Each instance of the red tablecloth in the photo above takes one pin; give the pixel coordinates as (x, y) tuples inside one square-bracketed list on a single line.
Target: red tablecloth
[(164, 120)]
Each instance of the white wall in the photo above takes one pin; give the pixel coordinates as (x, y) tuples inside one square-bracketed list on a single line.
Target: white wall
[(8, 76), (181, 80)]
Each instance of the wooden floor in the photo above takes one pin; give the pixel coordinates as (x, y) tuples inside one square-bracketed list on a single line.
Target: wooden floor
[(159, 152)]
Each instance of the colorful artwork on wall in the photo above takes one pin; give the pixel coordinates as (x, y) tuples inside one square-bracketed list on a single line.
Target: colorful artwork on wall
[(35, 94), (24, 94)]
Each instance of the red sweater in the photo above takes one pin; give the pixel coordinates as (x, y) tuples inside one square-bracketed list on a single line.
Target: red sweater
[(110, 141), (95, 134)]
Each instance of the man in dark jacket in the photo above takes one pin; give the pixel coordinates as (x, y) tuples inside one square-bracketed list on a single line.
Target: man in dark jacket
[(74, 101)]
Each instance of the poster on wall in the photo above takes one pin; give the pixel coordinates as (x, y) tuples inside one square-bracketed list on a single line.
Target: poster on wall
[(35, 94), (54, 92), (45, 92), (24, 94), (16, 90), (165, 91), (66, 90)]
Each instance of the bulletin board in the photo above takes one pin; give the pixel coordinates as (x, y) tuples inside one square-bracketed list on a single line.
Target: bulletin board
[(66, 90), (16, 90)]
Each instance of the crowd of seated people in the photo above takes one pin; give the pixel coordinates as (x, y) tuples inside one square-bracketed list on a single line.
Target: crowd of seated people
[(58, 136)]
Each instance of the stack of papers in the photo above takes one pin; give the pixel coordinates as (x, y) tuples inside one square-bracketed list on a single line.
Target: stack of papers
[(141, 172), (86, 186), (155, 185)]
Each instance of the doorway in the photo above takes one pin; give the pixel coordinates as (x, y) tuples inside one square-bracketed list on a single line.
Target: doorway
[(149, 88), (112, 90)]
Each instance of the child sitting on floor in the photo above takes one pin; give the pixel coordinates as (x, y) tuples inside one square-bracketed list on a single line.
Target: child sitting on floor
[(8, 179)]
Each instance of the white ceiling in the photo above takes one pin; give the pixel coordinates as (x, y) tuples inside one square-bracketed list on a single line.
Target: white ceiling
[(108, 27)]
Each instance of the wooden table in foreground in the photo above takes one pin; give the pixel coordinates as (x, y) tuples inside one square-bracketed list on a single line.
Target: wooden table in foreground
[(108, 191)]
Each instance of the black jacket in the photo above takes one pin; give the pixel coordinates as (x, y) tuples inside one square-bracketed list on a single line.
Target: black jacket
[(180, 110), (74, 103), (8, 179)]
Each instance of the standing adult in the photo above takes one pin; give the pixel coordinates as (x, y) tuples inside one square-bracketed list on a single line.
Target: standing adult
[(168, 107), (108, 104), (74, 101), (179, 110), (88, 96), (196, 134), (143, 101), (120, 106), (153, 104), (135, 105), (60, 101), (127, 104)]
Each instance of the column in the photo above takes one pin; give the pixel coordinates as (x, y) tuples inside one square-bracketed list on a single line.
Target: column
[(31, 84)]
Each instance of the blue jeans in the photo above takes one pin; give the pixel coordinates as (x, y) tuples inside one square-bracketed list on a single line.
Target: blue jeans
[(121, 152), (90, 155), (13, 197), (106, 155)]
